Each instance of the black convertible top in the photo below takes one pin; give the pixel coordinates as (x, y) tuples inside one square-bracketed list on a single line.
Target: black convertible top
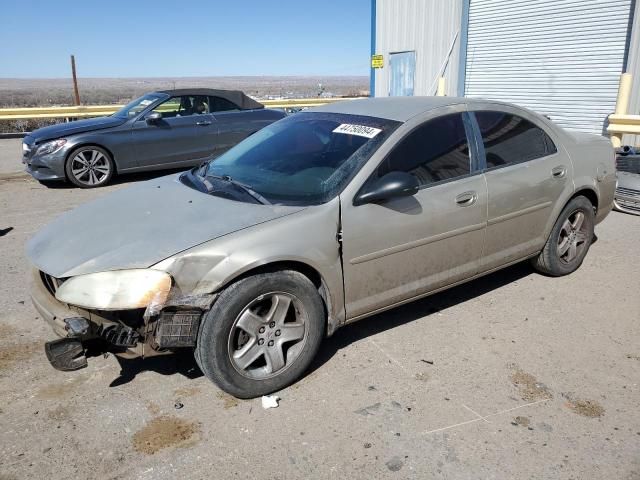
[(235, 96)]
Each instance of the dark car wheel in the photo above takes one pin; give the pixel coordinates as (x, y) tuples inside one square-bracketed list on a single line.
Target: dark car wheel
[(261, 333), (89, 167), (569, 241)]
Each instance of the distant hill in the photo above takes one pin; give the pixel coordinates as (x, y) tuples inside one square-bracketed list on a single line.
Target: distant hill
[(24, 92)]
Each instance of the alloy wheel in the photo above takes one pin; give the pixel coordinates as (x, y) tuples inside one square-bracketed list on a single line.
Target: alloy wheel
[(268, 335), (90, 167), (573, 237)]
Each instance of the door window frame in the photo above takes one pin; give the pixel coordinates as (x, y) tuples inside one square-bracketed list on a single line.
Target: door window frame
[(479, 142), (474, 159)]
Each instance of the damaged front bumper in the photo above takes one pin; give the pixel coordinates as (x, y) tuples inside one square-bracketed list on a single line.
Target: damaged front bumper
[(127, 333)]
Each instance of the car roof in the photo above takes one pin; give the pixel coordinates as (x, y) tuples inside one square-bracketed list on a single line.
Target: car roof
[(398, 108), (235, 96)]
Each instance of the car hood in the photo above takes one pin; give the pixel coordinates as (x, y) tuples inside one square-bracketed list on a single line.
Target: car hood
[(139, 226), (65, 129)]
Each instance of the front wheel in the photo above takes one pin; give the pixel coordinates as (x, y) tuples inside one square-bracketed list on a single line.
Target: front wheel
[(261, 334), (89, 167), (569, 241)]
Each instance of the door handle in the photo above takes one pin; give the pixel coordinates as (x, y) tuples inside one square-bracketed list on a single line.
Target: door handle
[(559, 172), (467, 198), (203, 123)]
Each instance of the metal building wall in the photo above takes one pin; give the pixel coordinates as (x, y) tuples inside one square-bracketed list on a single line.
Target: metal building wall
[(633, 67), (432, 29), (562, 58)]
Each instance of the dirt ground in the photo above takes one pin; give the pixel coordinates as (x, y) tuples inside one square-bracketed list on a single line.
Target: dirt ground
[(513, 376)]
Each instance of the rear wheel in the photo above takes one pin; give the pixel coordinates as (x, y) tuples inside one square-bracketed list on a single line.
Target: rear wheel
[(89, 167), (569, 241), (261, 333)]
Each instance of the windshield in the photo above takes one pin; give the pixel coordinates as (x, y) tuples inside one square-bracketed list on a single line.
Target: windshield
[(304, 159), (138, 105)]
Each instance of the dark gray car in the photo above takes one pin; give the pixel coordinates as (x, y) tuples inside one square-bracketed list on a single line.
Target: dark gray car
[(164, 129)]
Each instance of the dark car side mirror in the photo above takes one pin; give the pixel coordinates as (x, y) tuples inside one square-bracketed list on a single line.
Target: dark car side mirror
[(153, 117), (391, 185)]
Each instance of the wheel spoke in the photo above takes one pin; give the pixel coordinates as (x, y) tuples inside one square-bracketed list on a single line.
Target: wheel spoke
[(291, 332), (573, 250), (578, 220), (104, 170), (566, 226), (250, 322), (79, 172), (279, 308), (248, 354), (581, 237), (80, 159), (94, 154), (275, 357), (92, 178), (563, 246)]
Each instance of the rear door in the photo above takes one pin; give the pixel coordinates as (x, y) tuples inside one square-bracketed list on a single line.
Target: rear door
[(526, 175), (405, 247), (184, 136)]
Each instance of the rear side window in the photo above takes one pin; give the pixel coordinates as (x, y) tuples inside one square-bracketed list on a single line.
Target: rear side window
[(219, 104), (435, 151), (509, 139)]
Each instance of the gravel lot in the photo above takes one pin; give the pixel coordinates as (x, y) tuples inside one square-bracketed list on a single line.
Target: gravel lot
[(514, 375)]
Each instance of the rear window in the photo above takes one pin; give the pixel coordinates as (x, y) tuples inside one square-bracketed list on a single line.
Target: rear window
[(510, 139)]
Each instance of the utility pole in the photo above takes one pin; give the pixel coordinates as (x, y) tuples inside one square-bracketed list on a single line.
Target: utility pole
[(76, 93)]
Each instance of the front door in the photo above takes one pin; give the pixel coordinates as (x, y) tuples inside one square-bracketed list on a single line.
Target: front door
[(406, 247), (526, 175), (184, 136), (402, 68)]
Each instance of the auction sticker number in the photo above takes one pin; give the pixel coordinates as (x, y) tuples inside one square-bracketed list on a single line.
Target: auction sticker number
[(359, 130)]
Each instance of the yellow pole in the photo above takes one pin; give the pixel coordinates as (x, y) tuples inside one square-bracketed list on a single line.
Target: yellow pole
[(441, 87), (622, 104)]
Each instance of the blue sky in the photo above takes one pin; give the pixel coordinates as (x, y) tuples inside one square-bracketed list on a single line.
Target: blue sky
[(142, 38)]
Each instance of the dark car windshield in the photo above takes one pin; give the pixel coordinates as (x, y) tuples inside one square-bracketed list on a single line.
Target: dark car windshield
[(304, 159), (138, 105)]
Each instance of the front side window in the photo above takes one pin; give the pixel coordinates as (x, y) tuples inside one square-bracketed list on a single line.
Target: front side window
[(509, 139), (184, 106), (303, 159), (436, 151)]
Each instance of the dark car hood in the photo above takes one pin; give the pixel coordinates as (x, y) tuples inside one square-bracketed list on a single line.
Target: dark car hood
[(71, 128), (139, 226)]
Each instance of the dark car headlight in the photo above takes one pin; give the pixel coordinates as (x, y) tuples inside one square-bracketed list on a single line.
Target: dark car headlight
[(51, 147)]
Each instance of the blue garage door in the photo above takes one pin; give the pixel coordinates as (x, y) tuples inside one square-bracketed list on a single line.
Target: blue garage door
[(403, 69)]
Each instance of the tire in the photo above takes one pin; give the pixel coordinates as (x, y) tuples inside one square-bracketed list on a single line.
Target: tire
[(89, 167), (569, 240), (261, 333)]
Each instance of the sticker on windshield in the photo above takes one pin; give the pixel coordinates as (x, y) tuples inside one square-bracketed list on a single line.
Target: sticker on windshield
[(359, 130), (146, 102)]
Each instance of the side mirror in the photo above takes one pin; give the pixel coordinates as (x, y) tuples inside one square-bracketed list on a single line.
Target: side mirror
[(392, 185), (153, 117)]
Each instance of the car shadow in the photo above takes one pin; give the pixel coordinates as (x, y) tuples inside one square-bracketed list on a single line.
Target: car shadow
[(419, 309), (183, 362), (119, 179)]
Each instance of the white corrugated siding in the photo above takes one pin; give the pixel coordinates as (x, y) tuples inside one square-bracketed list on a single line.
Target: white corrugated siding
[(427, 27), (562, 58)]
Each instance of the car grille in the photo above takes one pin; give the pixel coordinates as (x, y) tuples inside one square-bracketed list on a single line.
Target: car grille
[(628, 199), (628, 163), (50, 283)]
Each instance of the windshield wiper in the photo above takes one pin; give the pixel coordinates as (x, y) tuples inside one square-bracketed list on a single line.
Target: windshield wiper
[(241, 186)]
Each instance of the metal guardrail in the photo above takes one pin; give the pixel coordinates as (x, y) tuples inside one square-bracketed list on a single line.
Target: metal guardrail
[(84, 111), (621, 122)]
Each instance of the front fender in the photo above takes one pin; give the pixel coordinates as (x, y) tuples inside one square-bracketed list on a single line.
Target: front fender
[(307, 237)]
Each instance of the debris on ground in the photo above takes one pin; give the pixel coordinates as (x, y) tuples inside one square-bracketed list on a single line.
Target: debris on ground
[(430, 362), (178, 405), (270, 401)]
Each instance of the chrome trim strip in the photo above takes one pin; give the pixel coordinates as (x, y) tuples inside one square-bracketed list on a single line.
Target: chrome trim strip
[(518, 213), (416, 243)]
